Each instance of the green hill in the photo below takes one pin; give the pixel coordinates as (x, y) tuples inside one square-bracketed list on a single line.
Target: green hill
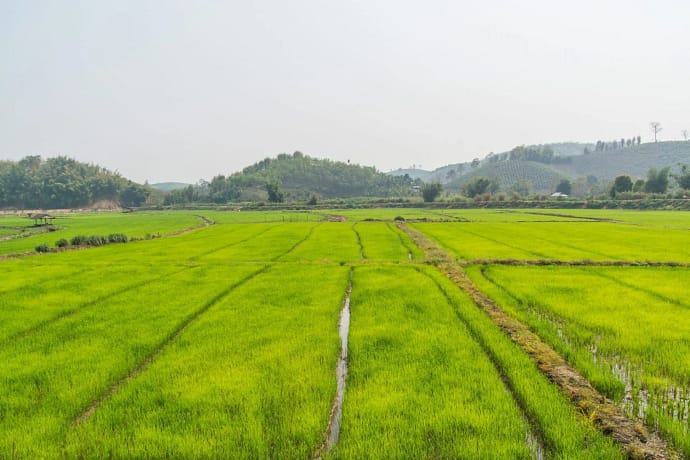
[(300, 176), (295, 177)]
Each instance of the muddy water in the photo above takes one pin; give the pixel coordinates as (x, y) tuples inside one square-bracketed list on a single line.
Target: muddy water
[(638, 400), (335, 419), (535, 446)]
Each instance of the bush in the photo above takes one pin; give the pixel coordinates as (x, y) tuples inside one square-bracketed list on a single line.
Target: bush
[(61, 243), (42, 248), (96, 240), (118, 238), (79, 240)]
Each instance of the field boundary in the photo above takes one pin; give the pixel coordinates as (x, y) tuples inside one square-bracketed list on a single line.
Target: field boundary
[(235, 243), (634, 437), (359, 242), (300, 242), (573, 263)]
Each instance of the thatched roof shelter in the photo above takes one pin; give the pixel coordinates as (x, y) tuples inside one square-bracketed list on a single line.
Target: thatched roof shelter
[(38, 217)]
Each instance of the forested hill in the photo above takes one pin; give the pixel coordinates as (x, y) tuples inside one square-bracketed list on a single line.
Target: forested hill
[(61, 182), (301, 175), (295, 177)]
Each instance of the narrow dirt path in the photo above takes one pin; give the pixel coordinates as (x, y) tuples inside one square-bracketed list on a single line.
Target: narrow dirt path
[(635, 439), (335, 418)]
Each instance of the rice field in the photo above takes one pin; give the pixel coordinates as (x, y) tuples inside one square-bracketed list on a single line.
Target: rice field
[(219, 337)]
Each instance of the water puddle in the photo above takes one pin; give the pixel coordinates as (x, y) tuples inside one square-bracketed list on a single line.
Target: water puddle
[(639, 401), (672, 402), (335, 418), (535, 446)]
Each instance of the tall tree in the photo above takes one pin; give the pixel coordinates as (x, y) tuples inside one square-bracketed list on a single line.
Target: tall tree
[(683, 179), (431, 191), (685, 134), (655, 126), (621, 184), (274, 194), (657, 181), (476, 186)]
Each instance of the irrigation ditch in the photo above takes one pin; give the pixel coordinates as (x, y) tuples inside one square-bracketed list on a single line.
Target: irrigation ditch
[(332, 433), (635, 439)]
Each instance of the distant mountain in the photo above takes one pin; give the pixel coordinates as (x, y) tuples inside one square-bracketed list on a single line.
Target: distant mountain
[(169, 186)]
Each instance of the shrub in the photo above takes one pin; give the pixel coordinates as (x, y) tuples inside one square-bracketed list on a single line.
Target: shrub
[(96, 240), (61, 243), (79, 240), (118, 238), (42, 248)]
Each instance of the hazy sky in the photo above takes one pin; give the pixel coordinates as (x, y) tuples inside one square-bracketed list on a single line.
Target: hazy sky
[(184, 90)]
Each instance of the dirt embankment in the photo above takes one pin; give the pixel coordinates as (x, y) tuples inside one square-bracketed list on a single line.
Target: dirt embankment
[(635, 438)]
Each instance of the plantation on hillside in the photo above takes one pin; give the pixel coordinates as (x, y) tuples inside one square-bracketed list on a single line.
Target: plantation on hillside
[(539, 168), (515, 175)]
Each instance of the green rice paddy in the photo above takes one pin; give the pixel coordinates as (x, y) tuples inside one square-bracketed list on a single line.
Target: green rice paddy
[(217, 337)]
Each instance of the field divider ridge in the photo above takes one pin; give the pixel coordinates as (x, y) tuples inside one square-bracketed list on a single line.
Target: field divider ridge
[(635, 438), (234, 243), (205, 222), (298, 243), (573, 263), (161, 347), (359, 241)]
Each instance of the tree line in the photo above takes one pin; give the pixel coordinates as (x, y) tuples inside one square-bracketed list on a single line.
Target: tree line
[(62, 182)]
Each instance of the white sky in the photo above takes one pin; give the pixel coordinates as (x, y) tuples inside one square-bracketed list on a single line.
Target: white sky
[(182, 90)]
